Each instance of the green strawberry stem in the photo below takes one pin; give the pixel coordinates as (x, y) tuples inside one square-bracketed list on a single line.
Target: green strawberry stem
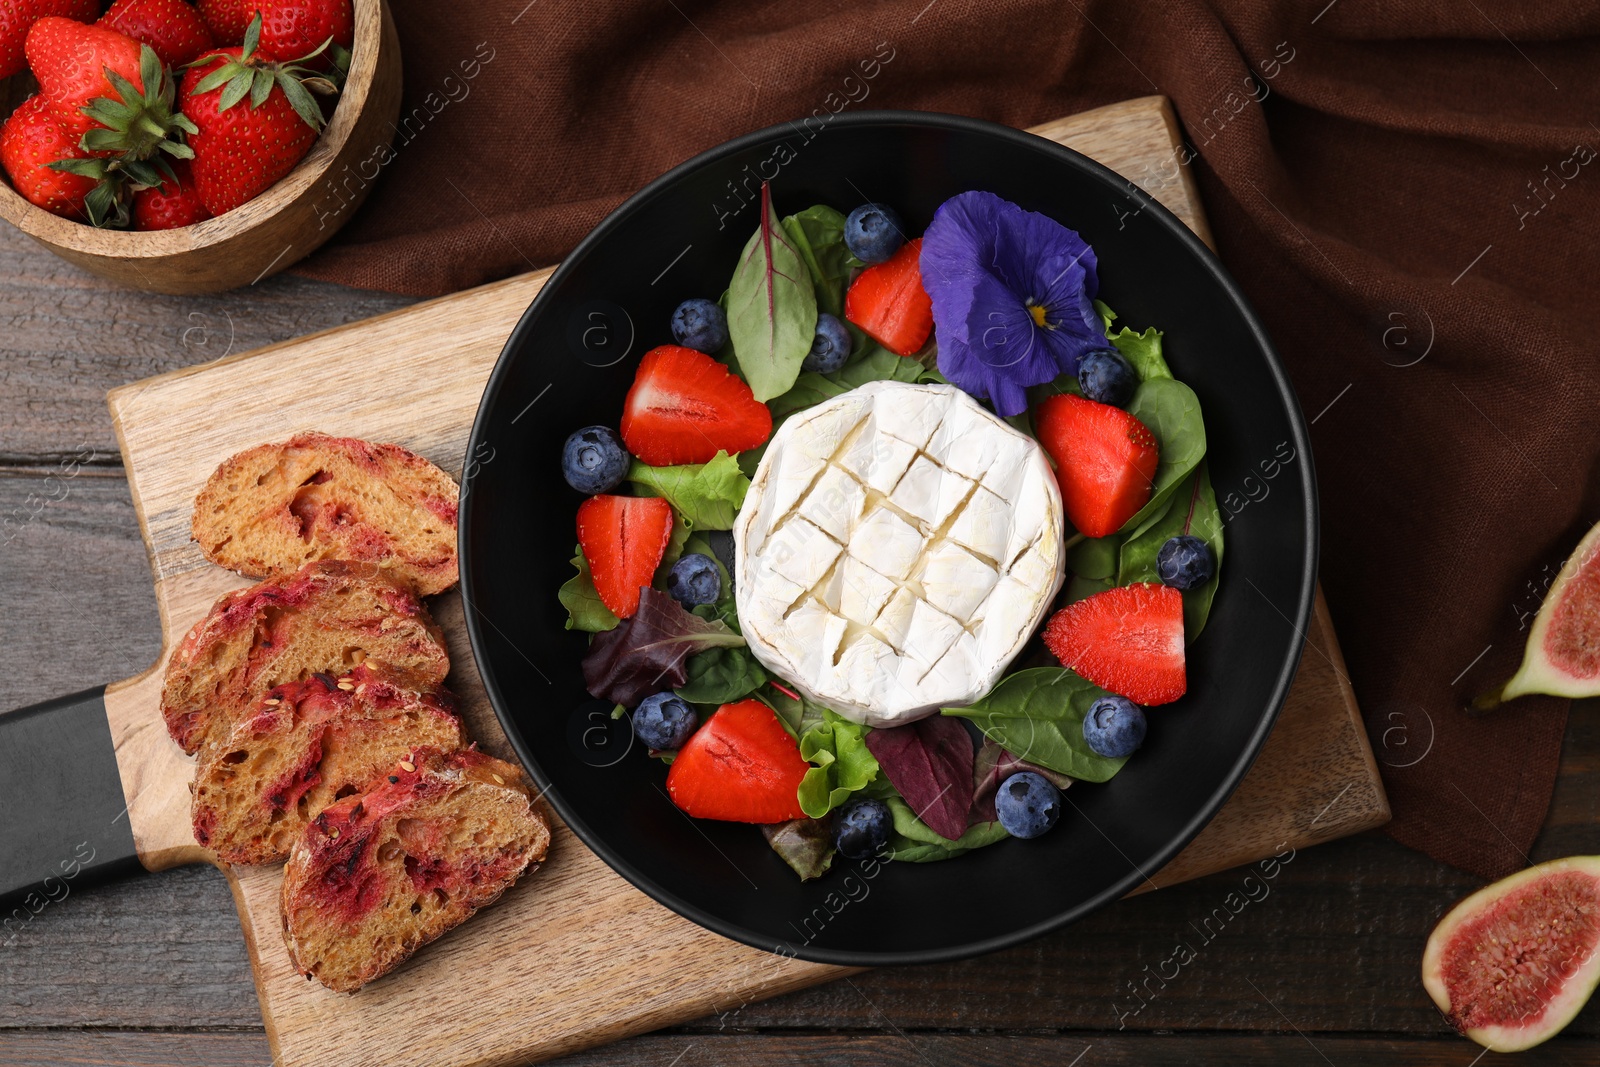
[(136, 131), (252, 77)]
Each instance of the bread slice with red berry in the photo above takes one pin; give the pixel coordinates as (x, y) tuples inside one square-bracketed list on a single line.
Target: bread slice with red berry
[(270, 510), (328, 617), (375, 877), (307, 745)]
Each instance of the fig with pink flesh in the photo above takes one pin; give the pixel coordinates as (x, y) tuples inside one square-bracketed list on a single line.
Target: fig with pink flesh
[(1563, 656), (1513, 963)]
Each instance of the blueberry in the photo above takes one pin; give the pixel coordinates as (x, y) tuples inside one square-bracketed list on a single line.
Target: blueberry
[(1027, 804), (1185, 562), (873, 233), (1105, 376), (830, 348), (863, 829), (664, 721), (694, 580), (1114, 727), (700, 324), (593, 460)]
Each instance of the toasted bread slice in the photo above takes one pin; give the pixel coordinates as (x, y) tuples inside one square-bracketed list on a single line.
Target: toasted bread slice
[(328, 617), (270, 510), (375, 877), (309, 744)]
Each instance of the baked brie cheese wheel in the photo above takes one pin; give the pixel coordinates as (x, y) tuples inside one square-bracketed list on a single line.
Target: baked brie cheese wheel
[(897, 548)]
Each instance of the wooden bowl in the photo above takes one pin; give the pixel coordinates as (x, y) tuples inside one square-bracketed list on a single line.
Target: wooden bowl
[(262, 237)]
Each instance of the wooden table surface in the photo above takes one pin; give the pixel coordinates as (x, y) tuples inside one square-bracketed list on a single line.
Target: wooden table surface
[(1322, 969)]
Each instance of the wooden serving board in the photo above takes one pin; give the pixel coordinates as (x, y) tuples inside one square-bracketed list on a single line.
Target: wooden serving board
[(574, 956)]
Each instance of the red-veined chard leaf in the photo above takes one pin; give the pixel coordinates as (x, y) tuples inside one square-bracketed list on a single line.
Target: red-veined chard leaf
[(772, 308), (930, 763)]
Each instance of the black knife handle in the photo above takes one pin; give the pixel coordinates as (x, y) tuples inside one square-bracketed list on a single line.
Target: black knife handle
[(63, 818)]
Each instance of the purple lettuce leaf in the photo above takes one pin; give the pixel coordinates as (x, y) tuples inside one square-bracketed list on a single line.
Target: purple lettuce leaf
[(930, 763), (994, 765), (648, 652)]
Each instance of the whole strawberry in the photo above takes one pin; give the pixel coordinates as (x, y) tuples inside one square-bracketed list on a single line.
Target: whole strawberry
[(35, 136), (254, 118), (297, 28), (172, 204), (228, 19), (171, 27), (122, 94), (18, 16), (70, 59)]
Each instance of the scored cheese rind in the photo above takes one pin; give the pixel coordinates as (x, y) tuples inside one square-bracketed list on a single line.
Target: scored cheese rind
[(897, 548)]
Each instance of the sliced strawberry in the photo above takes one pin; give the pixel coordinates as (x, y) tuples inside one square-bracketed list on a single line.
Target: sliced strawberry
[(740, 766), (1105, 460), (685, 407), (889, 303), (1128, 640), (623, 537)]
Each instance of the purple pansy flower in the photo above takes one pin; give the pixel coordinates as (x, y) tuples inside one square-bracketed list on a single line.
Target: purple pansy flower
[(1012, 297)]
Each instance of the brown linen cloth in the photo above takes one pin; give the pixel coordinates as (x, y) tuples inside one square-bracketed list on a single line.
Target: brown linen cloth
[(1406, 191)]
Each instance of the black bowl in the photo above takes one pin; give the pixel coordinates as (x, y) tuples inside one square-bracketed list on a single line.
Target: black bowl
[(569, 363)]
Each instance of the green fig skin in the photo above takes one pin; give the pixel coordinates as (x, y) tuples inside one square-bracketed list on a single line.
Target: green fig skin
[(1576, 585)]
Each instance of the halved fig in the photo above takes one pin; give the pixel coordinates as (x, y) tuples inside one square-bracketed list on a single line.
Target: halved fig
[(1563, 655), (1513, 963)]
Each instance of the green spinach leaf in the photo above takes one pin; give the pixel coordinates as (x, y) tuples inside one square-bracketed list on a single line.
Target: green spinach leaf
[(797, 715), (818, 235), (1139, 554), (1172, 412), (705, 495), (1037, 715), (772, 308), (914, 842), (840, 762), (721, 676), (876, 364), (1095, 557), (1078, 588), (585, 610), (809, 389)]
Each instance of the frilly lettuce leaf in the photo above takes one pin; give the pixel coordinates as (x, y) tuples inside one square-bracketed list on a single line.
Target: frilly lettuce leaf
[(841, 763)]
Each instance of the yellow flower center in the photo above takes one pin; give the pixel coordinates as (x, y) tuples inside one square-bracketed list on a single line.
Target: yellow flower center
[(1037, 312)]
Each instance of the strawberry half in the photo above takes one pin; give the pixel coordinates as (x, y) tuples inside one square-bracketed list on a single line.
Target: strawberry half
[(740, 766), (1105, 460), (685, 407), (624, 538), (1128, 640), (890, 304)]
